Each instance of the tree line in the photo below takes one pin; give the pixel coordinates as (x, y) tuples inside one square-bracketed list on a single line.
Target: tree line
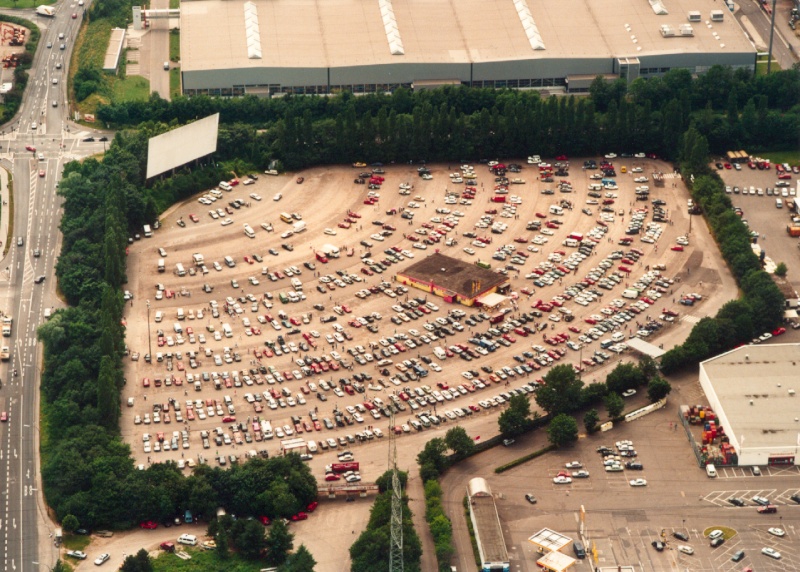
[(732, 109)]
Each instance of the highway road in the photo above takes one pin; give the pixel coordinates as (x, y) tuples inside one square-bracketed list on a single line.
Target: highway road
[(40, 124), (784, 45)]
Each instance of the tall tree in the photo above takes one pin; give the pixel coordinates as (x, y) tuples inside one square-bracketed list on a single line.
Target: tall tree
[(561, 392), (278, 543), (459, 442), (516, 419), (563, 430), (107, 395), (300, 561)]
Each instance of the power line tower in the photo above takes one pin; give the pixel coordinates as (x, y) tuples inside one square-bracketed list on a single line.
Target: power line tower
[(396, 540)]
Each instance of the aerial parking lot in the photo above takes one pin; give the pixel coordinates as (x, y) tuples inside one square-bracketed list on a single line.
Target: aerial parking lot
[(269, 310)]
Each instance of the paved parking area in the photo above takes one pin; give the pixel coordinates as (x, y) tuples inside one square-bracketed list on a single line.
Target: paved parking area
[(239, 371)]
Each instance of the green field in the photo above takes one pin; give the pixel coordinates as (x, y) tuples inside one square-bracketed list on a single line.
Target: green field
[(174, 46), (174, 82), (203, 561), (132, 88), (24, 3), (76, 541), (791, 157)]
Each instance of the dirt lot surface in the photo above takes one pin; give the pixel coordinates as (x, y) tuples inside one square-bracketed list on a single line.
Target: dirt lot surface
[(323, 200)]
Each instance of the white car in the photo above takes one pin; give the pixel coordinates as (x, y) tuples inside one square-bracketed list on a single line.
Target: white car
[(771, 552), (330, 231), (277, 197), (103, 558), (574, 465), (420, 246), (629, 393), (376, 237), (638, 483), (561, 480), (255, 196), (776, 531), (226, 222), (685, 549), (469, 250)]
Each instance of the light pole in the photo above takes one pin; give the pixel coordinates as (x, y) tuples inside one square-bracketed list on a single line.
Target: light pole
[(149, 343)]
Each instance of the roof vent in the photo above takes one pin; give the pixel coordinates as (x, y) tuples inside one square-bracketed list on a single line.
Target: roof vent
[(751, 402), (525, 17), (658, 7), (391, 29), (791, 392), (746, 357), (667, 31), (252, 33)]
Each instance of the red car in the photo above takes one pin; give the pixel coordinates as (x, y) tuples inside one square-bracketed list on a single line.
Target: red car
[(249, 260), (299, 516), (264, 520), (30, 148), (352, 214), (146, 382), (193, 218), (330, 477), (149, 525), (312, 507), (229, 419), (41, 173), (784, 176), (541, 215), (3, 416), (474, 408), (778, 331), (677, 248)]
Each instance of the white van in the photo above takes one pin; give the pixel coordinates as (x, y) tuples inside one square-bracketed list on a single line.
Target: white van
[(571, 242), (711, 471), (159, 316), (189, 539), (161, 266), (778, 203), (439, 353), (226, 329), (177, 328), (181, 315), (225, 186), (556, 210), (312, 447), (297, 285), (180, 270), (229, 262), (248, 231), (48, 313), (630, 294)]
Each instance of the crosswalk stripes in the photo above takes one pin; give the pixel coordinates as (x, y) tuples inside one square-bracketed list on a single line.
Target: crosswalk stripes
[(689, 319), (672, 176)]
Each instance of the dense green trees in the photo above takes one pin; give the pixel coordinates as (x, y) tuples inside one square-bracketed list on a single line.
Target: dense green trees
[(440, 526), (371, 550), (516, 419), (459, 442), (458, 122), (563, 430), (561, 392), (432, 460)]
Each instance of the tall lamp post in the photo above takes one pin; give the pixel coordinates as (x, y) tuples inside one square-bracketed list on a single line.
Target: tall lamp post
[(149, 343)]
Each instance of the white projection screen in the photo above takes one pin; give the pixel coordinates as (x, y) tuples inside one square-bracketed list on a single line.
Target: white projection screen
[(182, 145)]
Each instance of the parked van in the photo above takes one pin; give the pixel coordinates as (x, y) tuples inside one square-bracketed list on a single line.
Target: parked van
[(312, 447), (556, 210), (571, 242), (180, 270), (248, 231), (199, 259), (148, 232), (297, 285), (778, 203), (630, 294), (181, 315), (711, 471), (604, 344), (159, 316), (161, 266), (198, 386), (48, 313), (226, 329), (189, 539), (177, 327), (578, 549), (439, 353), (225, 186), (229, 262), (287, 218)]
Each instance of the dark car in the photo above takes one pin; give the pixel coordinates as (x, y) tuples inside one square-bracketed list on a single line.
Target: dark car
[(717, 542), (735, 501), (738, 555), (658, 545), (681, 536), (796, 498)]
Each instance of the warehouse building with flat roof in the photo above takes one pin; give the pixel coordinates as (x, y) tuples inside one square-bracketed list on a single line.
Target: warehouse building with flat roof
[(453, 279), (753, 391), (267, 47), (486, 524)]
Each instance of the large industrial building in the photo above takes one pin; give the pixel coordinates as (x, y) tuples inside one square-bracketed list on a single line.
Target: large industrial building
[(753, 391), (267, 47), (486, 524)]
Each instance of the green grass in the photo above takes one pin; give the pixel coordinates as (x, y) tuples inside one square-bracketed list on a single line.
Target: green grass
[(90, 50), (761, 67), (204, 560), (791, 157), (76, 541), (174, 4), (174, 45), (24, 3), (174, 82), (132, 88)]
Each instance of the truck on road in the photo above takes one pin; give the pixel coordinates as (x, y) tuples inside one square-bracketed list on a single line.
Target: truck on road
[(48, 11), (5, 353), (7, 321), (330, 250)]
